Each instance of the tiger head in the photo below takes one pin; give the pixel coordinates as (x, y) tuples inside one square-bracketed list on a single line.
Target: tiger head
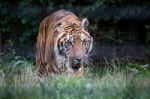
[(73, 45)]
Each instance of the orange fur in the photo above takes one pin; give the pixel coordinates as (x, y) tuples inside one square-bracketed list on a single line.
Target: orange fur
[(47, 38)]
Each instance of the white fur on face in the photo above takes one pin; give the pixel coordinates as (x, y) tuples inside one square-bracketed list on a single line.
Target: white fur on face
[(82, 36)]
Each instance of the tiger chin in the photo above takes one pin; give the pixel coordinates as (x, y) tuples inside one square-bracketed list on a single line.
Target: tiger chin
[(63, 44)]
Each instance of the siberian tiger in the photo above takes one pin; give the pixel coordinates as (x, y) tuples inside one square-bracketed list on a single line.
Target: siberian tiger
[(63, 43)]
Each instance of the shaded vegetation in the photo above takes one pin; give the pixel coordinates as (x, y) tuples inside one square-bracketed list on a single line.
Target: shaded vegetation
[(20, 19), (112, 81)]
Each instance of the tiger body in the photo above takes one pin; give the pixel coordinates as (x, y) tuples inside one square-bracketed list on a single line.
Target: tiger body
[(59, 46)]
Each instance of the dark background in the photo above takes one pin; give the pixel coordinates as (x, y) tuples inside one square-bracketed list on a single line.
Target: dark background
[(120, 28)]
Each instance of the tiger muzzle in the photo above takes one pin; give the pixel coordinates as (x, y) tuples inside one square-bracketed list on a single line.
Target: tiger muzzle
[(76, 64)]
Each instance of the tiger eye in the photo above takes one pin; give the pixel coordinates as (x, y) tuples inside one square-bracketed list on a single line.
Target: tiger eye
[(68, 43), (85, 42)]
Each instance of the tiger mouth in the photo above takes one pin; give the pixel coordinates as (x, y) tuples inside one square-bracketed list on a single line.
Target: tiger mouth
[(76, 67)]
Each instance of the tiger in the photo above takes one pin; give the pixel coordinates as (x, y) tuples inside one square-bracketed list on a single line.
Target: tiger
[(63, 44)]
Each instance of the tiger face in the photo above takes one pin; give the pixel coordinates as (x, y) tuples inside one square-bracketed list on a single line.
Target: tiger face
[(73, 45)]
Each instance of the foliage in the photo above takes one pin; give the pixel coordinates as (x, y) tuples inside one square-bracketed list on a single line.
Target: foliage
[(112, 35), (113, 80), (10, 63), (22, 17), (107, 85)]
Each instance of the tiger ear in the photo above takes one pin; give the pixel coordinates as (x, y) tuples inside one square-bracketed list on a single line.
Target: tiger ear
[(59, 27), (85, 23)]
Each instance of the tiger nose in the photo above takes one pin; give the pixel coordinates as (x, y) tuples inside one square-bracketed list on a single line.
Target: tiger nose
[(78, 59)]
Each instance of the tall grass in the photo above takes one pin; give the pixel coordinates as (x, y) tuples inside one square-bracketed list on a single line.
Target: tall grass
[(18, 81)]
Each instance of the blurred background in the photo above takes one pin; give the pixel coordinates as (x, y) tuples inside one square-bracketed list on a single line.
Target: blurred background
[(120, 28)]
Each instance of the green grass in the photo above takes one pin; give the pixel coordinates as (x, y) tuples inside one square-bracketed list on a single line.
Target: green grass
[(17, 81)]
